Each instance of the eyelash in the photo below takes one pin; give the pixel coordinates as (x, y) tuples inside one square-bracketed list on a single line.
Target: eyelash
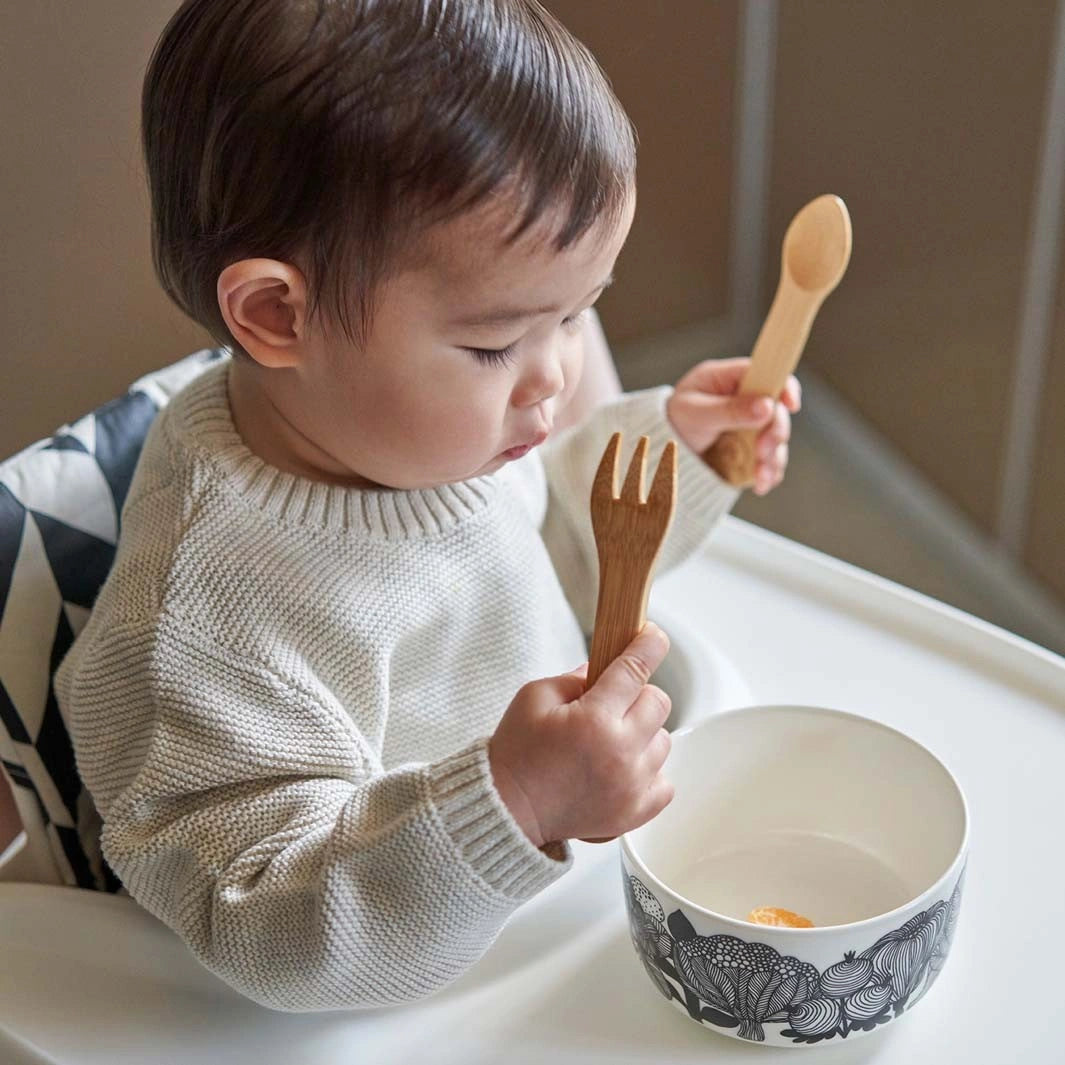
[(493, 356), (501, 356)]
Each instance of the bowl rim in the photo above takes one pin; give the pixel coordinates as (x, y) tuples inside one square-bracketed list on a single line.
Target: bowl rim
[(960, 855)]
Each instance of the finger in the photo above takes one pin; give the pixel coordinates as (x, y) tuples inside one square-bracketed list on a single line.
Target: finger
[(659, 796), (770, 473), (779, 465), (721, 377), (773, 435), (733, 412), (791, 397), (648, 714), (622, 681), (568, 687), (700, 419), (656, 752)]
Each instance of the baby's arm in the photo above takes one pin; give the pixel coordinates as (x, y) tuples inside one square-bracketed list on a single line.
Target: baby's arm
[(246, 811)]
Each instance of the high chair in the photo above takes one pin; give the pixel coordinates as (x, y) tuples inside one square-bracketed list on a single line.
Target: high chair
[(60, 510)]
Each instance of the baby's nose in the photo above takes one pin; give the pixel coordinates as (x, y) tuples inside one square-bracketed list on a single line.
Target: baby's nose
[(542, 379)]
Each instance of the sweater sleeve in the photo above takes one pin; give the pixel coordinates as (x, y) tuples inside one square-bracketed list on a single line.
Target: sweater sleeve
[(251, 817), (570, 460)]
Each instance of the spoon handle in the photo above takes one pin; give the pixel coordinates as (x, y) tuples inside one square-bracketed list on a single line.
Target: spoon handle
[(774, 357), (816, 250)]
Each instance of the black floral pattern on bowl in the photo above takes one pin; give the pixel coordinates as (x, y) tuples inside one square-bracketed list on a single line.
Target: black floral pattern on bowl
[(737, 984)]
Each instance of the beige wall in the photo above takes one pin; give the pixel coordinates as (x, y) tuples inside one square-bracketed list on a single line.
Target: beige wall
[(80, 311), (926, 119), (673, 66), (1045, 549)]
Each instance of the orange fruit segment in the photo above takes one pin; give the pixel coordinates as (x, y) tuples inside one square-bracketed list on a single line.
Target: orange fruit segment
[(780, 918)]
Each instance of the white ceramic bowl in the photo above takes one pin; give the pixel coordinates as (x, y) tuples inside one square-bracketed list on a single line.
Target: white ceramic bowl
[(824, 813)]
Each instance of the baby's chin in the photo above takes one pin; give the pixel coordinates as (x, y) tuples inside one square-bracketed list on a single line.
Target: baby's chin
[(410, 477), (494, 465), (505, 459), (427, 483)]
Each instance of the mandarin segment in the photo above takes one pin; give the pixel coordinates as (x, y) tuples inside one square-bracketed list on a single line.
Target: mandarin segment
[(771, 915)]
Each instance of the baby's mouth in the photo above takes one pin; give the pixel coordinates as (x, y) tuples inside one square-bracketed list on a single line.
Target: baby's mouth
[(523, 449)]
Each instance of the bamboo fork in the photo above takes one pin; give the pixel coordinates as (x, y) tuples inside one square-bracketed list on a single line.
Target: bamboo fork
[(629, 531)]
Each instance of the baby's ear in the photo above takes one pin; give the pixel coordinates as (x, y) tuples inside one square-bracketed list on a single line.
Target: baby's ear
[(264, 303)]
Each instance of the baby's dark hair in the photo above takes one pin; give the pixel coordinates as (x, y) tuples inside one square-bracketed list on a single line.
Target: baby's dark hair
[(331, 133)]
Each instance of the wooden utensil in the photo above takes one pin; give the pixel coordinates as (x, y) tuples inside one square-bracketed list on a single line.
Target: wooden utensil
[(817, 248), (629, 531)]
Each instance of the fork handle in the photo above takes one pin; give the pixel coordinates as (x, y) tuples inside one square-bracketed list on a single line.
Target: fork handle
[(619, 615)]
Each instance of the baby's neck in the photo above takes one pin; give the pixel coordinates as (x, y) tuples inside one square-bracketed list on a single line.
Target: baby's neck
[(272, 437)]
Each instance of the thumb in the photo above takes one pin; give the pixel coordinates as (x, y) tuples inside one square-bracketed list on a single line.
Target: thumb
[(623, 680), (700, 418)]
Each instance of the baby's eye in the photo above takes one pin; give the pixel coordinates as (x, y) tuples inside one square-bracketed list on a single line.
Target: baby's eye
[(574, 321), (493, 356)]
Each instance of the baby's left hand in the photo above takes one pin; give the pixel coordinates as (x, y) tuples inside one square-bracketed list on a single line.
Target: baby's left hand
[(705, 404)]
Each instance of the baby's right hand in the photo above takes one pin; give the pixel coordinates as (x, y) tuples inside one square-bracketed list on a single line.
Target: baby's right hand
[(571, 763)]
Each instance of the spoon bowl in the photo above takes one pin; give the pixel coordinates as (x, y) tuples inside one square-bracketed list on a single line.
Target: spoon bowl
[(817, 245)]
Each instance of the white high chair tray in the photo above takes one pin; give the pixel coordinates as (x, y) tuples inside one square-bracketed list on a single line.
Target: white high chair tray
[(87, 978)]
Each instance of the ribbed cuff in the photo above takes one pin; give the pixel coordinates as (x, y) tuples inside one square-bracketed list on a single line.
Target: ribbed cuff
[(483, 830)]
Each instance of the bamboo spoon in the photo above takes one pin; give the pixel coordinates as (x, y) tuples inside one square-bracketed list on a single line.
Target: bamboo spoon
[(629, 531), (817, 248)]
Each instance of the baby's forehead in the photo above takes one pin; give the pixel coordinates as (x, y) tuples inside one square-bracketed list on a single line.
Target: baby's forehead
[(476, 251), (475, 238)]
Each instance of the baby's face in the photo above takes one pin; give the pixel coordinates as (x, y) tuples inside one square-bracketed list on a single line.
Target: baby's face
[(470, 355)]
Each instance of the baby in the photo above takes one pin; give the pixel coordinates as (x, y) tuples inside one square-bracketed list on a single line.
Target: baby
[(326, 704)]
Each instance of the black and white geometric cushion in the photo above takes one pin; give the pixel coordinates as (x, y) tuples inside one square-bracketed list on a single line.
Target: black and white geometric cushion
[(60, 507)]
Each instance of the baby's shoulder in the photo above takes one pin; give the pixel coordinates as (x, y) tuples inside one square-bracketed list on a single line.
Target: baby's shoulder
[(175, 544)]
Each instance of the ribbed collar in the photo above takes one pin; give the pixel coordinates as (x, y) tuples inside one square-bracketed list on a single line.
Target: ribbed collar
[(202, 418)]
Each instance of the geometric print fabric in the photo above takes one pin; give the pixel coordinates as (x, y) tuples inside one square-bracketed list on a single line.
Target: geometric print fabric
[(60, 510)]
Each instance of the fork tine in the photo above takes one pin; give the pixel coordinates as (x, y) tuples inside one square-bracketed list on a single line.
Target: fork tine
[(663, 492), (605, 485), (632, 491)]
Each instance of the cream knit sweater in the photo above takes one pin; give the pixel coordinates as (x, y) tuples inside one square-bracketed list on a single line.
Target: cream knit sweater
[(282, 699)]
